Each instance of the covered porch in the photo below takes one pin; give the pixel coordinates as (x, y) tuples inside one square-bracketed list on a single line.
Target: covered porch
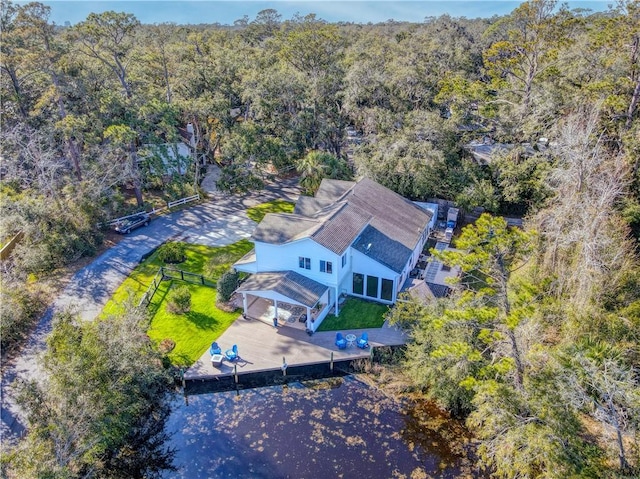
[(293, 299)]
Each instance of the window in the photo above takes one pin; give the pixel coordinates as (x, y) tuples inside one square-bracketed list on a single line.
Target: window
[(304, 263), (358, 283), (344, 259), (372, 286), (326, 267), (387, 289), (446, 267)]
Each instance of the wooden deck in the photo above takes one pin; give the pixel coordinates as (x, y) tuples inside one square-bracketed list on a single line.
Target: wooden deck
[(262, 347)]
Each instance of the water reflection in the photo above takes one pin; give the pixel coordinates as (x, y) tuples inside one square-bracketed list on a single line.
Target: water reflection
[(324, 428)]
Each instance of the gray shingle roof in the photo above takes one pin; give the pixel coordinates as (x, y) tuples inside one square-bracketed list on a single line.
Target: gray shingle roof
[(309, 206), (393, 215), (383, 249), (248, 258), (341, 210), (439, 290), (333, 190), (287, 283), (341, 227), (279, 228)]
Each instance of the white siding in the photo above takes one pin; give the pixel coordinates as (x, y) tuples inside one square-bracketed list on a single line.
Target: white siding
[(363, 264), (433, 208), (285, 258)]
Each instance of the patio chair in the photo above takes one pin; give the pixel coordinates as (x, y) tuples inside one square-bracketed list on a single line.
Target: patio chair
[(340, 341), (215, 349), (232, 354), (363, 341)]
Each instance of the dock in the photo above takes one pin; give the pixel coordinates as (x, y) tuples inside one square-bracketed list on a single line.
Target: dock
[(265, 348)]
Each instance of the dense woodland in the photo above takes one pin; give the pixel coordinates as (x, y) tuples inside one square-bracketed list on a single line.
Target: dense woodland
[(539, 346)]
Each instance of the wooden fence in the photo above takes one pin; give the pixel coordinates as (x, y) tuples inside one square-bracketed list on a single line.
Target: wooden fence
[(165, 273), (183, 201), (8, 248)]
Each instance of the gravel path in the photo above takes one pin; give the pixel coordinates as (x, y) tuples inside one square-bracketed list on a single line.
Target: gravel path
[(218, 221)]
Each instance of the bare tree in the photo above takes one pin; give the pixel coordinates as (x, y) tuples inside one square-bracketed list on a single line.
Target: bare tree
[(585, 244), (601, 384)]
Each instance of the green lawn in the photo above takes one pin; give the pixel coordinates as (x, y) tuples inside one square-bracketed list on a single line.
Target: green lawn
[(356, 314), (194, 331), (256, 213), (198, 256)]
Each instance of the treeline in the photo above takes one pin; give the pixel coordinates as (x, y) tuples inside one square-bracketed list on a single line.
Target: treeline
[(100, 409), (537, 348), (80, 106)]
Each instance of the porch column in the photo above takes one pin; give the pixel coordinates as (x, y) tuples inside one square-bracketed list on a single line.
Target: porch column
[(275, 307), (244, 303), (337, 303), (309, 323)]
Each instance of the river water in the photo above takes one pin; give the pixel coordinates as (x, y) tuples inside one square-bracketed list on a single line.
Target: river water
[(336, 427)]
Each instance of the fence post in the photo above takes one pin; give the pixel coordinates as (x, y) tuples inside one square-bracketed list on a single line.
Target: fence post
[(182, 275), (331, 363), (235, 372), (202, 279), (284, 366)]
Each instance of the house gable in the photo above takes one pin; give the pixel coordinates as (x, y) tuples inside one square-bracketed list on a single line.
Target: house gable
[(381, 248), (349, 231)]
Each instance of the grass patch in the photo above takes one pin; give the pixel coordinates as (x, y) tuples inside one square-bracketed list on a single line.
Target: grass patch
[(192, 332), (256, 213), (356, 313), (197, 258)]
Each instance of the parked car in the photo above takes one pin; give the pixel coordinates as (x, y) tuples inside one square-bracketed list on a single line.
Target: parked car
[(126, 226)]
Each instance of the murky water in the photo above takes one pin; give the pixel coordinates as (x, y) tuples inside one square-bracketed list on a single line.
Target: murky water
[(327, 428)]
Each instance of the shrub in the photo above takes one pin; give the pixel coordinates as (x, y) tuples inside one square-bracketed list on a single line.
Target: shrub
[(227, 284), (166, 345), (56, 233), (172, 252), (20, 308), (179, 301)]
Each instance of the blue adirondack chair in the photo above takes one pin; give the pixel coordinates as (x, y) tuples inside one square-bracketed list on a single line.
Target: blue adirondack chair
[(215, 349), (340, 341), (232, 354), (363, 341)]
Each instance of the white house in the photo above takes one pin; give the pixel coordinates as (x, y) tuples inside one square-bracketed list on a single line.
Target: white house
[(359, 239), (170, 158)]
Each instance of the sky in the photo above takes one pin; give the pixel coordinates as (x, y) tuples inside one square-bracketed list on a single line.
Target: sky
[(227, 11)]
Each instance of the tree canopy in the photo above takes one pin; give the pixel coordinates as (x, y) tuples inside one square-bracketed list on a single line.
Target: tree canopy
[(539, 339)]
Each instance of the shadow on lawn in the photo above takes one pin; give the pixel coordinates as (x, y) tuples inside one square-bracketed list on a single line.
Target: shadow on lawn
[(201, 320), (158, 299)]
